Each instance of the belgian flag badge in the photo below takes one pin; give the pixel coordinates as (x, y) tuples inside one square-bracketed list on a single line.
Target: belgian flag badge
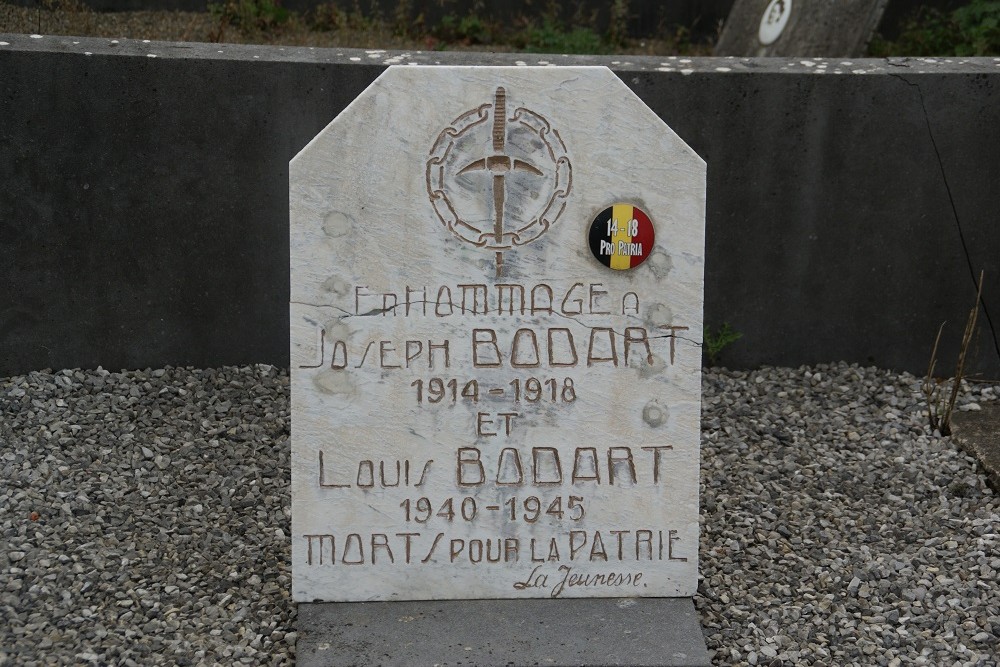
[(621, 236)]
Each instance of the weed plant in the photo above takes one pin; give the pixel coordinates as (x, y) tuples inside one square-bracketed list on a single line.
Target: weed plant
[(550, 37), (552, 28), (714, 342), (969, 30), (250, 15)]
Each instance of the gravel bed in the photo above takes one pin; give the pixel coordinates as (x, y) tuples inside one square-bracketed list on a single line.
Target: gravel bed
[(144, 519), (837, 530), (159, 25)]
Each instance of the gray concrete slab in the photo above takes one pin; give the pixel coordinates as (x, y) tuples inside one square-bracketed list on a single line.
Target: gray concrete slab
[(979, 434), (644, 632)]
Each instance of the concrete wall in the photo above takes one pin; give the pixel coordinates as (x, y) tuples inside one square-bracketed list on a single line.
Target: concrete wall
[(143, 214)]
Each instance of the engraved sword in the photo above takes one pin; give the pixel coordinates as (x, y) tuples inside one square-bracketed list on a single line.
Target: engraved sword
[(499, 164)]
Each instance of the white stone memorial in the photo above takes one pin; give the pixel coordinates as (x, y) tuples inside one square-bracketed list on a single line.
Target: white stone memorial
[(496, 317)]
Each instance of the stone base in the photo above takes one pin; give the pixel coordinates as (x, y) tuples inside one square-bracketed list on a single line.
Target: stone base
[(979, 434), (665, 632)]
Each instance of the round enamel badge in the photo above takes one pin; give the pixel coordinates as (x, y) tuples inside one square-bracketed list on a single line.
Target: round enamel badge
[(621, 236), (774, 20)]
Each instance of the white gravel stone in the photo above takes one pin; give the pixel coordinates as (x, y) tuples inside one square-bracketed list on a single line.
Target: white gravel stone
[(818, 548)]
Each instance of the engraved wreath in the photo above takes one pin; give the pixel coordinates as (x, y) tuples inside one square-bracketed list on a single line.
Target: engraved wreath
[(526, 177)]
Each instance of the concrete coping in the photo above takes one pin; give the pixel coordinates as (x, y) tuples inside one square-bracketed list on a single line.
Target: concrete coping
[(100, 46)]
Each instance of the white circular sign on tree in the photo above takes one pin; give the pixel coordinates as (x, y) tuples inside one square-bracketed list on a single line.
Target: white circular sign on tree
[(774, 20)]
